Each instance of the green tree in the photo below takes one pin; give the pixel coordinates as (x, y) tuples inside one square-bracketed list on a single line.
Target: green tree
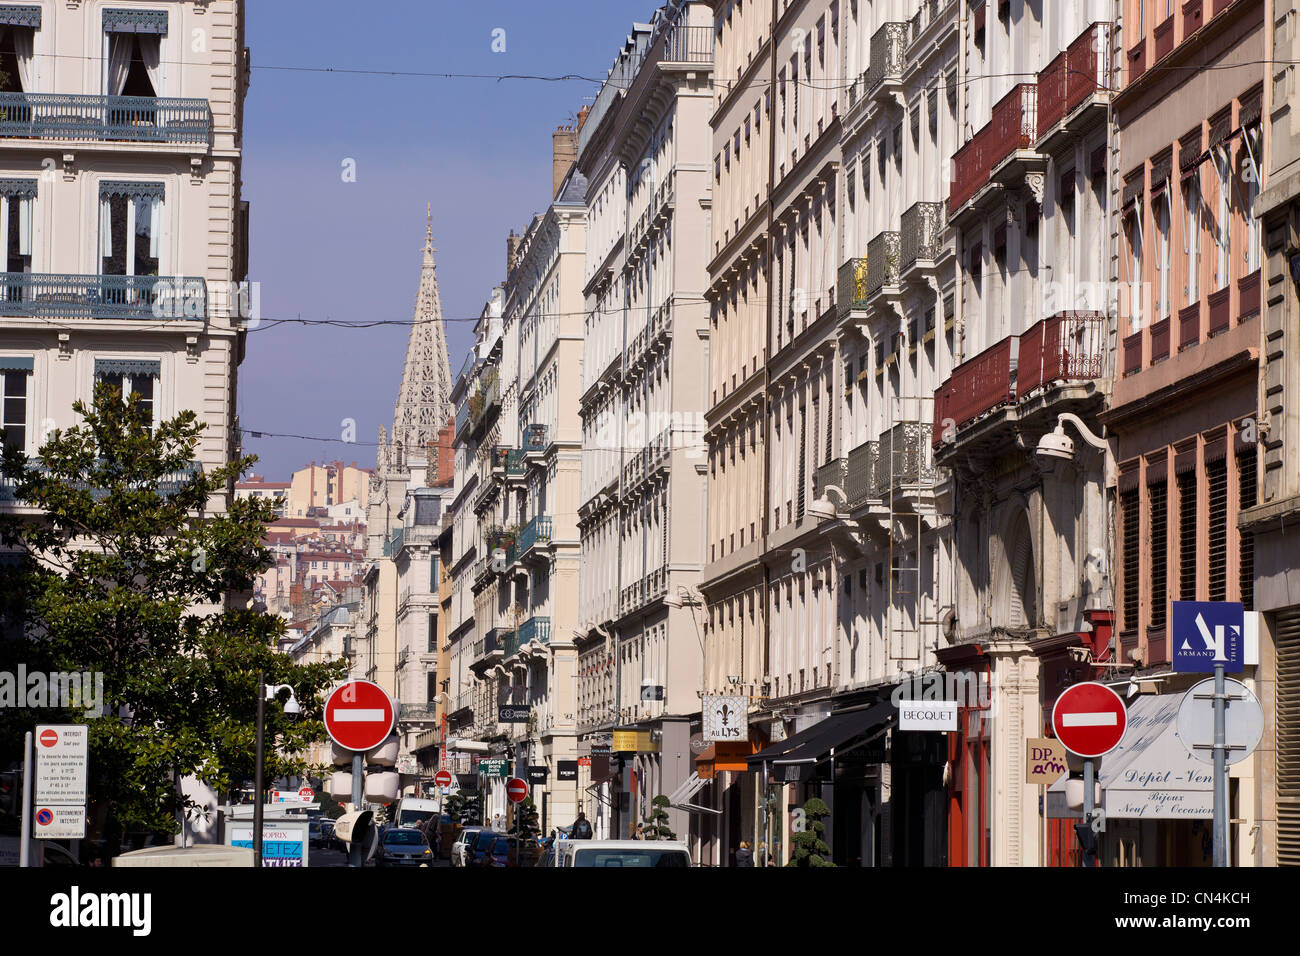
[(656, 824), (126, 572), (808, 847)]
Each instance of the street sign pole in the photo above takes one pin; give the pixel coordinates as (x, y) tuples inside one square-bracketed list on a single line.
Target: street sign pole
[(1089, 778), (25, 847), (259, 797), (1220, 768), (355, 850)]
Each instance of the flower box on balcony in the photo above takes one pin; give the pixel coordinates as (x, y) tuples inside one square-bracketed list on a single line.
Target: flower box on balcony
[(1248, 295), (1189, 326), (1164, 39), (1220, 310)]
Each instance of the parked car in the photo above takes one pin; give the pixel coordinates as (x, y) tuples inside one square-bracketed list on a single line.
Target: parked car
[(403, 846), (477, 853), (326, 832), (460, 848), (623, 853), (315, 833)]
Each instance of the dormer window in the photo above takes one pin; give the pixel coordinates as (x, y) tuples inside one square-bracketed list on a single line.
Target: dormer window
[(133, 52)]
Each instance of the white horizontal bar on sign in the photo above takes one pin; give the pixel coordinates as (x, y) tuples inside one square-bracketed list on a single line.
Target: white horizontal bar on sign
[(1106, 719), (357, 715)]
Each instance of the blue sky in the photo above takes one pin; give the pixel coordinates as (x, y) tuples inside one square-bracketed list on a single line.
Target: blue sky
[(479, 150)]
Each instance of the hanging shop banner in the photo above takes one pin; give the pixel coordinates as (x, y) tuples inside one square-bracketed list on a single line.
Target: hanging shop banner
[(725, 718)]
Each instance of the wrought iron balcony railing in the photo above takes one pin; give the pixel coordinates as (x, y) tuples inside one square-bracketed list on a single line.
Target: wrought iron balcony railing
[(975, 387), (920, 229), (536, 532), (883, 253), (888, 55), (1076, 73), (536, 437), (169, 484), (1070, 346), (905, 457), (82, 116), (852, 292), (38, 295), (860, 480), (834, 472), (688, 44)]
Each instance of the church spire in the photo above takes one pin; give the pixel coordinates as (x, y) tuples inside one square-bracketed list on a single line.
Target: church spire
[(424, 398)]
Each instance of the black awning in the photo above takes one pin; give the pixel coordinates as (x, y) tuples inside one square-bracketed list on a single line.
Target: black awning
[(811, 745)]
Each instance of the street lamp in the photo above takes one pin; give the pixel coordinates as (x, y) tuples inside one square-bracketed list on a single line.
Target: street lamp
[(265, 692)]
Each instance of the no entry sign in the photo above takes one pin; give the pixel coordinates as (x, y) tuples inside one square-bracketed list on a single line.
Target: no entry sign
[(442, 778), (1089, 719), (516, 790), (359, 715)]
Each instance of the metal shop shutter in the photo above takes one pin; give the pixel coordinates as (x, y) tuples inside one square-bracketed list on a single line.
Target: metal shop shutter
[(1288, 737)]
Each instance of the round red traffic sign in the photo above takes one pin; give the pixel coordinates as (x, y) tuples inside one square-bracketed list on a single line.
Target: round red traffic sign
[(359, 715), (516, 789), (1089, 719), (306, 793), (49, 738), (44, 817), (442, 778)]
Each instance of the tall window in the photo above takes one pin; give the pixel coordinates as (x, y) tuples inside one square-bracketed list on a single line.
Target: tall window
[(133, 52), (1128, 506), (1187, 549), (1192, 236), (1135, 269), (1216, 473), (17, 49), (1251, 144), (130, 227), (1223, 221), (1161, 211), (15, 375), (132, 377), (17, 212)]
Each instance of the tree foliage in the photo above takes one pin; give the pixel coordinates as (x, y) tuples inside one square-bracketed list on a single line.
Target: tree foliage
[(808, 847), (126, 572), (656, 824)]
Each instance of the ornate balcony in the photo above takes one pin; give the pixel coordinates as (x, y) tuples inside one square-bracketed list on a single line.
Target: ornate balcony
[(35, 295), (888, 57), (1070, 346), (536, 534), (883, 254), (537, 438), (975, 388), (1078, 72), (834, 472), (921, 231), (488, 649), (81, 117), (1013, 127), (904, 459), (861, 470), (852, 292), (169, 484)]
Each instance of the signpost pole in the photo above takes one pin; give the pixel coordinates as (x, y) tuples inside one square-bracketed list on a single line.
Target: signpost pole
[(1220, 768), (25, 846), (259, 793), (355, 849), (1089, 778)]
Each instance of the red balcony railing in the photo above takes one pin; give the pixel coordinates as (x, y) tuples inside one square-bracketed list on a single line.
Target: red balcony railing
[(1089, 65), (1051, 91), (975, 387), (1220, 309), (1070, 346), (1160, 341), (1015, 122), (1248, 294), (970, 171), (1189, 326)]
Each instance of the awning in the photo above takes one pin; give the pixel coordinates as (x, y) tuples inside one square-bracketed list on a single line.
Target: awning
[(836, 732), (732, 755), (1150, 775)]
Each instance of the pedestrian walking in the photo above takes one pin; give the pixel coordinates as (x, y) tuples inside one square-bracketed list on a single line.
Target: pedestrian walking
[(744, 856), (581, 829)]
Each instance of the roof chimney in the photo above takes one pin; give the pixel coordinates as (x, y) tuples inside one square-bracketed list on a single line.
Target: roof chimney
[(512, 251), (564, 143)]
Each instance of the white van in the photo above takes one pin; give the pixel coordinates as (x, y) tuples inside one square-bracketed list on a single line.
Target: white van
[(622, 853), (412, 812)]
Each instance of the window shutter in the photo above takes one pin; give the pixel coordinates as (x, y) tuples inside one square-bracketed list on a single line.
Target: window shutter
[(1287, 641), (1216, 473), (1158, 497), (1246, 475), (1128, 505), (1187, 548)]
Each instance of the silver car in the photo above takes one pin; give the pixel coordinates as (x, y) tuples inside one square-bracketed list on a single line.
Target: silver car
[(464, 840)]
